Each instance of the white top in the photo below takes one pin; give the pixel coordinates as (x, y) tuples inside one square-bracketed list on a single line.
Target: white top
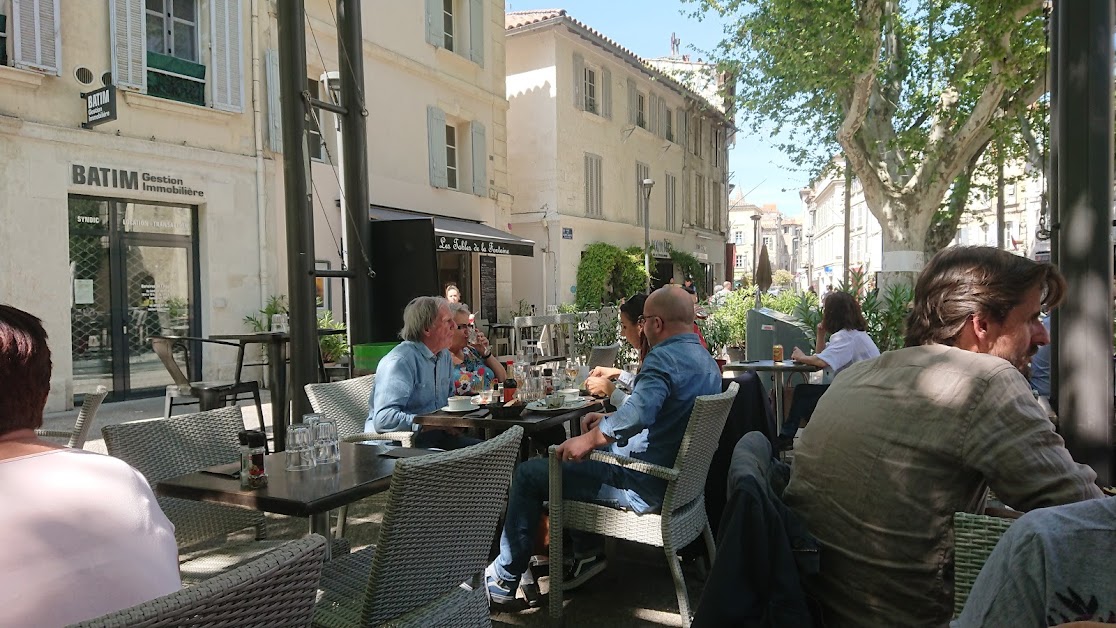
[(847, 347), (82, 536)]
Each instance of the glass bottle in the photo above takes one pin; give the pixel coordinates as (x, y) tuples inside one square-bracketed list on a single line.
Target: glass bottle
[(253, 473)]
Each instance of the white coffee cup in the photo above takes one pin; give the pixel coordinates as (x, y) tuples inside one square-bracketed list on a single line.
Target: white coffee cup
[(460, 403), (571, 394)]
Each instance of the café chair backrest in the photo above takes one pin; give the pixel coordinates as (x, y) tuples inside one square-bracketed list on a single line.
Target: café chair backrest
[(77, 436)]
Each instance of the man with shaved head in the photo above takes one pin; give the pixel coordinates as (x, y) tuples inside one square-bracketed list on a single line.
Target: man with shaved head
[(676, 371)]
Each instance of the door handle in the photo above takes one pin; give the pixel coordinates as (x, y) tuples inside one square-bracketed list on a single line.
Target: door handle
[(125, 330)]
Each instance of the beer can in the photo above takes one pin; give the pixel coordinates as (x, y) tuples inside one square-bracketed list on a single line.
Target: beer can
[(777, 353)]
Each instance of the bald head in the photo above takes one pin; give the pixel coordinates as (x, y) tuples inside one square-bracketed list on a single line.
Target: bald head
[(669, 311)]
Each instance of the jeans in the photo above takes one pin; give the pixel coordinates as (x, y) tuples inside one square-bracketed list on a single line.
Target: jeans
[(806, 397), (588, 481), (441, 439)]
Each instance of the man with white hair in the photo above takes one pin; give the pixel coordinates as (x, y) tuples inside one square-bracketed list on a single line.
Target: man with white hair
[(416, 377)]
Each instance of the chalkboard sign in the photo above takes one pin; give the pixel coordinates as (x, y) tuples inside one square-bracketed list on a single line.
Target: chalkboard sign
[(488, 287)]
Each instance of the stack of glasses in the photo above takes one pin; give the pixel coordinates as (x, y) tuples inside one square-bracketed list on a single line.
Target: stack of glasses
[(312, 443)]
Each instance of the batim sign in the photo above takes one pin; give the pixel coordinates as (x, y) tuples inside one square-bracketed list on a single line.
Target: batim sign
[(100, 106)]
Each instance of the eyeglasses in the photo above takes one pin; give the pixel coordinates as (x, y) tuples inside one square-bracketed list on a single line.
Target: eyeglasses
[(644, 318)]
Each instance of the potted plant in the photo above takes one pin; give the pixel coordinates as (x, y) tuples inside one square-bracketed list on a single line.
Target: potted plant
[(334, 348), (716, 333)]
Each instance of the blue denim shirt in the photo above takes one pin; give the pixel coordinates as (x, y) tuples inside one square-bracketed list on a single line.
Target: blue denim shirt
[(675, 372), (410, 380)]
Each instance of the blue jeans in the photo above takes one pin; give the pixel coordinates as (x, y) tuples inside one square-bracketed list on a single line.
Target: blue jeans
[(589, 481)]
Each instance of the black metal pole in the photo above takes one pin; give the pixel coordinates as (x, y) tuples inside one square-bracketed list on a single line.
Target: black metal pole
[(300, 220), (358, 227), (1084, 151), (1054, 73)]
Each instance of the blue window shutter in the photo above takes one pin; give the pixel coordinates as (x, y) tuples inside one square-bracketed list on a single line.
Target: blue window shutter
[(480, 158), (274, 109), (579, 81), (436, 136), (127, 29), (476, 31), (435, 33), (606, 93)]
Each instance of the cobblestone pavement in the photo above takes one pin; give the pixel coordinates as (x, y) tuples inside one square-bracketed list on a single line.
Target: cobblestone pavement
[(635, 590)]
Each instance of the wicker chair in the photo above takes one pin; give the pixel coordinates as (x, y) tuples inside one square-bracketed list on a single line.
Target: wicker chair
[(277, 589), (974, 537), (346, 403), (682, 517), (436, 534), (76, 437)]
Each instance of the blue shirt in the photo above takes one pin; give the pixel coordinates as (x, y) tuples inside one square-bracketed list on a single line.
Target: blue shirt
[(410, 380), (1040, 366), (673, 375)]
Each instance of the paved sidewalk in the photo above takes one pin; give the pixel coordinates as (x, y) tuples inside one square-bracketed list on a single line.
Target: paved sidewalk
[(635, 590)]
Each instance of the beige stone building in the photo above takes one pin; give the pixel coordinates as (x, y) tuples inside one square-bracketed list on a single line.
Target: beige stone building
[(589, 122), (169, 218)]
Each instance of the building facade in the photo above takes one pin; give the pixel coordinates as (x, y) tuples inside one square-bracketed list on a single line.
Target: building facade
[(589, 123), (751, 225), (169, 219)]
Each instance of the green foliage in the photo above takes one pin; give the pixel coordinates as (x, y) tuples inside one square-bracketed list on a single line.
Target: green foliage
[(782, 277), (785, 302), (276, 304), (886, 317), (607, 274), (910, 91), (333, 347), (691, 267), (730, 315), (177, 308), (522, 308)]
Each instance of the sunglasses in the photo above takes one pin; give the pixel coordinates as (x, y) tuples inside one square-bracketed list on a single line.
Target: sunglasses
[(465, 325)]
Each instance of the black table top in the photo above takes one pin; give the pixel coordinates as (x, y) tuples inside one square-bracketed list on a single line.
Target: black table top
[(361, 472), (269, 336), (529, 421), (771, 365)]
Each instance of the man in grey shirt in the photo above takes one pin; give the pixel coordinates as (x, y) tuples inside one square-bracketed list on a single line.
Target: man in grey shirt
[(901, 442)]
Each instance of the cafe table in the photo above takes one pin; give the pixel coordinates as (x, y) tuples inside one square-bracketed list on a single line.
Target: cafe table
[(364, 470), (779, 370), (531, 422), (276, 342)]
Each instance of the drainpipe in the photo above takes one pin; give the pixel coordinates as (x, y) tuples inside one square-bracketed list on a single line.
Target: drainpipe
[(257, 140)]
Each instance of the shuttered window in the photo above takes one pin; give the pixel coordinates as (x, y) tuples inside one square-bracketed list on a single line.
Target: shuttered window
[(228, 77), (451, 156), (699, 200), (36, 36), (671, 202), (642, 171), (593, 185), (445, 27)]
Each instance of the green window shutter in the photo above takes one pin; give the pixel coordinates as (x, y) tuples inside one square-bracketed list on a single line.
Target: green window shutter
[(579, 81), (632, 114), (476, 31), (435, 35), (225, 31), (606, 93), (480, 158), (37, 36), (436, 137), (127, 28), (274, 109)]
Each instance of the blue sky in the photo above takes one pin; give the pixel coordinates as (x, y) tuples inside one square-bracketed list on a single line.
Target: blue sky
[(644, 27)]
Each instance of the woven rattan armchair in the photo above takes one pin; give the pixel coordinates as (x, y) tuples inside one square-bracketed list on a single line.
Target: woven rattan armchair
[(682, 517), (76, 437), (604, 355), (974, 538), (346, 403), (427, 566), (277, 589)]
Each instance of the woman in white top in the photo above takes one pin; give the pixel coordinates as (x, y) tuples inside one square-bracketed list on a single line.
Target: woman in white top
[(83, 534), (848, 344)]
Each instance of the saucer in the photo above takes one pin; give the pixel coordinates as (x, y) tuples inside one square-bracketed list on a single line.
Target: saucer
[(472, 406), (540, 406)]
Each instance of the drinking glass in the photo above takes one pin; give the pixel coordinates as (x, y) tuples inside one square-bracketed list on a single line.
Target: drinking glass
[(572, 370), (311, 419), (300, 448), (280, 323), (632, 367), (326, 448)]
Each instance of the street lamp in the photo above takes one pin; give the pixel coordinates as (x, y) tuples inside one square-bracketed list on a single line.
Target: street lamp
[(756, 216), (647, 185)]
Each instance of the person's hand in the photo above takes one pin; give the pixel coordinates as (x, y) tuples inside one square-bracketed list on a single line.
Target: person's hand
[(599, 386), (797, 354), (481, 344), (577, 448), (821, 330), (605, 371), (590, 421)]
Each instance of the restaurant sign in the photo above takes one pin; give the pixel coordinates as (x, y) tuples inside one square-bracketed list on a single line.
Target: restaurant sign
[(482, 245)]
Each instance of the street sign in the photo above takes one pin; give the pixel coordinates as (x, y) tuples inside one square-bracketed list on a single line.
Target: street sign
[(567, 233), (100, 106)]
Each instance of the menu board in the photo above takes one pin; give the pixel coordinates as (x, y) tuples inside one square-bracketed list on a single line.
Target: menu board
[(488, 287)]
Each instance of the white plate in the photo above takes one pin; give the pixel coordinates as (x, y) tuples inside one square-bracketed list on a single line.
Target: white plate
[(540, 406), (472, 406)]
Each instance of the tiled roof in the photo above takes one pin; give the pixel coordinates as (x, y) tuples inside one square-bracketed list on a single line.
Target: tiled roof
[(519, 19)]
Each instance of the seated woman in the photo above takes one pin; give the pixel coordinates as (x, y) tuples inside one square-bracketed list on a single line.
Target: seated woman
[(85, 534), (475, 366), (848, 345), (601, 379)]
